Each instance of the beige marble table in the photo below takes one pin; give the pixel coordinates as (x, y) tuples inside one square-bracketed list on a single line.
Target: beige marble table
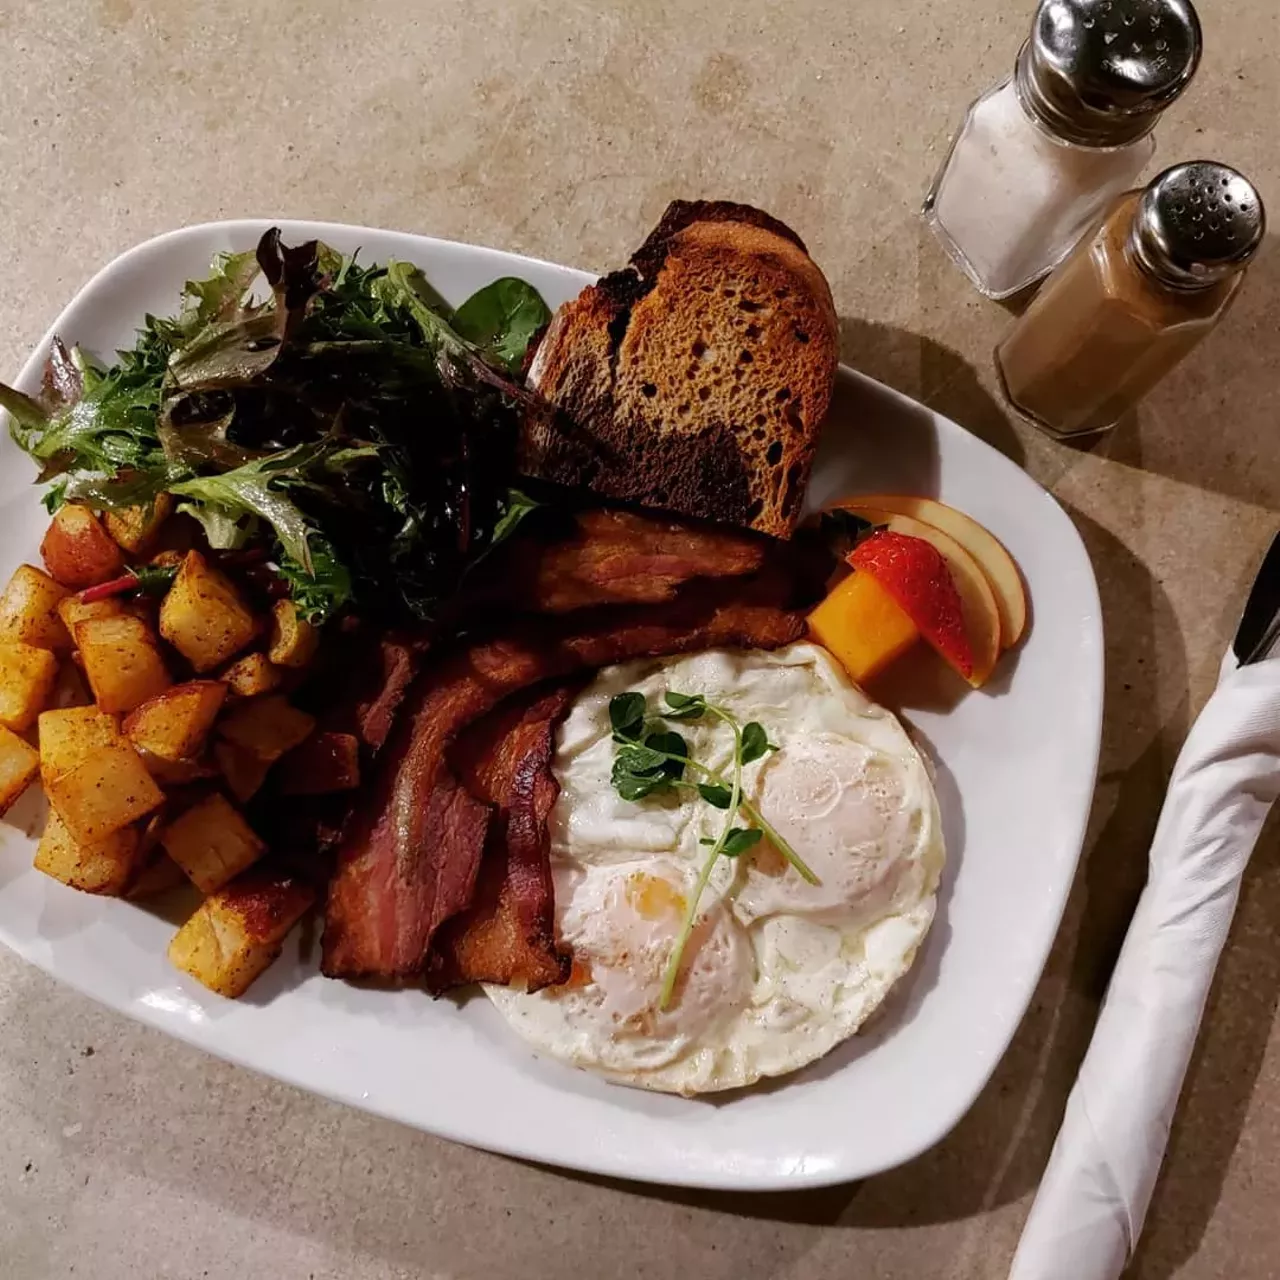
[(562, 130)]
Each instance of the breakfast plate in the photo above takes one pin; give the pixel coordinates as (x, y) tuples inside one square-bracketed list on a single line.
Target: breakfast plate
[(1015, 765)]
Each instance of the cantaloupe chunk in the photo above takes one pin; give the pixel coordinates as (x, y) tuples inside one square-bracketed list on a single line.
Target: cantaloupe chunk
[(862, 626)]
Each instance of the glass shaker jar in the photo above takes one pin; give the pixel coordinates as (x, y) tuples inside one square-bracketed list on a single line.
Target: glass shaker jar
[(1133, 299), (1040, 156)]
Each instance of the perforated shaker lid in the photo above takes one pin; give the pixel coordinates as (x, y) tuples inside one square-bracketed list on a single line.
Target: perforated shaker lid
[(1196, 224), (1099, 72)]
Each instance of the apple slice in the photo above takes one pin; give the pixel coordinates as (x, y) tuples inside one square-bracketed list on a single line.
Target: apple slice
[(1002, 573), (981, 614)]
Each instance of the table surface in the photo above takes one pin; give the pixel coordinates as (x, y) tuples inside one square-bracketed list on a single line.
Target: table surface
[(562, 130)]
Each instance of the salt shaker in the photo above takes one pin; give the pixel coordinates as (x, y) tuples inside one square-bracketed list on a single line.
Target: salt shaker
[(1133, 299), (1040, 156)]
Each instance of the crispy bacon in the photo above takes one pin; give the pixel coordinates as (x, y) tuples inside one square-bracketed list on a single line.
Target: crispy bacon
[(409, 856), (508, 935), (611, 557)]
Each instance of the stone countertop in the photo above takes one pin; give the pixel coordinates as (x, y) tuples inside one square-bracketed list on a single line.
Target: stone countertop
[(562, 130)]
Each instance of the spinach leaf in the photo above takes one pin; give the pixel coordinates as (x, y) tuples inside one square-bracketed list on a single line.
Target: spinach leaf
[(501, 319)]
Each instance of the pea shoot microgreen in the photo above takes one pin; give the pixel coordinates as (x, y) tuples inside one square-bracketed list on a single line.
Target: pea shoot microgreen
[(653, 758)]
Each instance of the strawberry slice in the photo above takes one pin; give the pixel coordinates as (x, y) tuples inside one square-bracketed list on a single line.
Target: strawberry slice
[(914, 573)]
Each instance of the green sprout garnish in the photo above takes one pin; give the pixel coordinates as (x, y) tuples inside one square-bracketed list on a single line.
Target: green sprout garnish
[(653, 758)]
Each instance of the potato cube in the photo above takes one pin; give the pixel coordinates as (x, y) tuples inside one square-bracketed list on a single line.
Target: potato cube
[(107, 790), (71, 609), (27, 677), (244, 772), (19, 762), (211, 842), (94, 866), (29, 610), (203, 615), (69, 735), (325, 762), (266, 727), (176, 773), (77, 550), (137, 528), (161, 875), (293, 639), (174, 724), (251, 676), (121, 659), (237, 932)]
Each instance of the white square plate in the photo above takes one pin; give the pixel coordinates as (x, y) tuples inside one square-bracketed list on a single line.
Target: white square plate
[(1016, 766)]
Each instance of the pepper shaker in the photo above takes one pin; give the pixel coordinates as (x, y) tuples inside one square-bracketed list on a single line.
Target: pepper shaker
[(1133, 299), (1041, 155)]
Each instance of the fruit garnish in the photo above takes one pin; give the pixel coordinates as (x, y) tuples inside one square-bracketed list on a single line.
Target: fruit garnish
[(914, 573), (862, 626), (986, 550)]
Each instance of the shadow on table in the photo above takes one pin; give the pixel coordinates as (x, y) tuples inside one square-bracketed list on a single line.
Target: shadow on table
[(931, 373)]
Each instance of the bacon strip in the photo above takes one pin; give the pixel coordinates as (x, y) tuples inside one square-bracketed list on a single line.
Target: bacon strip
[(611, 557), (409, 857), (508, 935)]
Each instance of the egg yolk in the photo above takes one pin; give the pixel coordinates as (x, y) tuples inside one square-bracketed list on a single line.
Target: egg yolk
[(622, 925), (652, 897)]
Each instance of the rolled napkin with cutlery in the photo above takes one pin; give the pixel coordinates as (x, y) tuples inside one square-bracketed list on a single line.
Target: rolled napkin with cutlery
[(1088, 1213)]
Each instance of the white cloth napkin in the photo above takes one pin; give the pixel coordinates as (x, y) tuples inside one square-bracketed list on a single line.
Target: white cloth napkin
[(1088, 1213)]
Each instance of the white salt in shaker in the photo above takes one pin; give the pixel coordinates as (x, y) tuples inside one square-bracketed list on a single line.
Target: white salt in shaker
[(1040, 156)]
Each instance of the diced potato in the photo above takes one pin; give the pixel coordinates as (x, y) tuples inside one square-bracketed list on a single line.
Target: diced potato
[(77, 550), (244, 771), (161, 875), (29, 610), (174, 724), (19, 763), (27, 677), (71, 609), (325, 762), (293, 639), (70, 735), (266, 727), (176, 773), (107, 790), (204, 616), (237, 932), (211, 842), (121, 659), (136, 528), (95, 866), (251, 676)]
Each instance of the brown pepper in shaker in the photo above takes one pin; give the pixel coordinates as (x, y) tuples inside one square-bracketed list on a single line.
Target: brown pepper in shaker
[(1132, 299)]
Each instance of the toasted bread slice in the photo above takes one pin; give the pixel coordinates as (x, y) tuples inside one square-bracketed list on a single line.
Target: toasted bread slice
[(696, 379)]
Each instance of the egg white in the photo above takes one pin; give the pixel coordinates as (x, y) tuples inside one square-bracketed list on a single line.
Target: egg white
[(778, 971)]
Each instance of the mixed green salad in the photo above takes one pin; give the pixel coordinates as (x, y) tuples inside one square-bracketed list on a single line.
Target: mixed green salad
[(350, 421)]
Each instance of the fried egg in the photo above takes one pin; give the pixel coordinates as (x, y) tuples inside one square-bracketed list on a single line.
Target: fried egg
[(777, 970)]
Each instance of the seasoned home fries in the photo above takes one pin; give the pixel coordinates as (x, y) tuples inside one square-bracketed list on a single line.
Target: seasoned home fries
[(151, 721)]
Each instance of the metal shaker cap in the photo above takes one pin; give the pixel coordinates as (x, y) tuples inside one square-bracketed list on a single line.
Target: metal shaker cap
[(1099, 72), (1196, 224)]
